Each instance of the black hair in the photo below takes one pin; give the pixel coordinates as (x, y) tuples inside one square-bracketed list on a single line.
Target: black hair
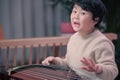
[(96, 7)]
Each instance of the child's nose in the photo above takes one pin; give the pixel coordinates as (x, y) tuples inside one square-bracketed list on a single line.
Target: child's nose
[(77, 15)]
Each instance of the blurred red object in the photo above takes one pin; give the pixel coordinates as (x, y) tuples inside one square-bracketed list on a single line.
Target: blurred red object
[(66, 27), (1, 33)]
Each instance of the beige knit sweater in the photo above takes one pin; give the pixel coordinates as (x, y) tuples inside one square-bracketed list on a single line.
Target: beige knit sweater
[(95, 46)]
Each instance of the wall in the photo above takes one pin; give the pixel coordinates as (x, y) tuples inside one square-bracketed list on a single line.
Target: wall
[(31, 18)]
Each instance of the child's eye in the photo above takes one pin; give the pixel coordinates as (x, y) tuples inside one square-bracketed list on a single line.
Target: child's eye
[(83, 13), (74, 11)]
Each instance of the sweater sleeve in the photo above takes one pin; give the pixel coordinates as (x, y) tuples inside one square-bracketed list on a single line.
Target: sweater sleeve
[(104, 56), (61, 61)]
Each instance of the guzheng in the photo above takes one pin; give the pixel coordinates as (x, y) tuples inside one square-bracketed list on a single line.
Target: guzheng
[(42, 72)]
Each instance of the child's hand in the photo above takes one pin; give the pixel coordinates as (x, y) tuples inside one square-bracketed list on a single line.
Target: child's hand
[(48, 60), (90, 65)]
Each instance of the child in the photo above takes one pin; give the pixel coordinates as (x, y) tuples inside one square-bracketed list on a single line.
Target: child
[(89, 52)]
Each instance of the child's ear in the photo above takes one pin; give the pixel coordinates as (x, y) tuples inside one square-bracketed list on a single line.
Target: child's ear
[(96, 20)]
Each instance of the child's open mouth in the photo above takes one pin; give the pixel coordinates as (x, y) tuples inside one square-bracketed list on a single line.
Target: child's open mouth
[(77, 24)]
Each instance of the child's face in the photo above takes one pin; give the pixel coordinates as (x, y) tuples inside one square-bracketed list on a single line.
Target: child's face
[(81, 20)]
